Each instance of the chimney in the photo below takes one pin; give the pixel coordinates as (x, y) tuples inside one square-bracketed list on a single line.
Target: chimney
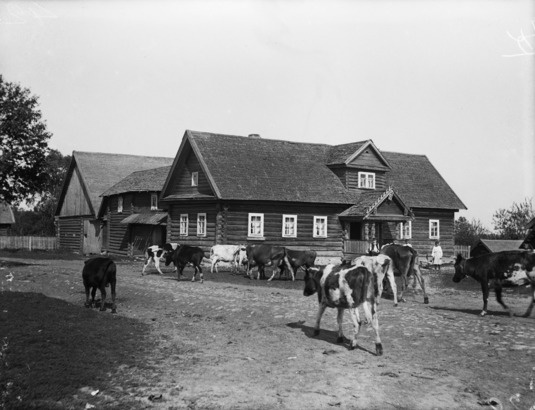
[(256, 136)]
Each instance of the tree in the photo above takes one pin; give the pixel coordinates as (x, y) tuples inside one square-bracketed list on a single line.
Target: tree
[(23, 144), (511, 223), (468, 233)]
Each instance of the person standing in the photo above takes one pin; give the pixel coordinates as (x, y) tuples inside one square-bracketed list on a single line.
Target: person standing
[(373, 250), (436, 253)]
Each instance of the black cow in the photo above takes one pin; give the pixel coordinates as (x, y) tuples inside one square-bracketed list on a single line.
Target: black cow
[(341, 288), (301, 259), (498, 266), (266, 255), (98, 273), (183, 255), (156, 252), (405, 261)]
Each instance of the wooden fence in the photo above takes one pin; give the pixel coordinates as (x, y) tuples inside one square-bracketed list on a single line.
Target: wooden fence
[(464, 250), (28, 242)]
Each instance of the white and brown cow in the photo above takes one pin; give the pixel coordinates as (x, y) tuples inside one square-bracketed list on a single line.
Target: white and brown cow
[(226, 253), (346, 288), (380, 266), (156, 252), (267, 255)]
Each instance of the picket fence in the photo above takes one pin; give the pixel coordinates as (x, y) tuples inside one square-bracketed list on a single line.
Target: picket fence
[(464, 250), (28, 242)]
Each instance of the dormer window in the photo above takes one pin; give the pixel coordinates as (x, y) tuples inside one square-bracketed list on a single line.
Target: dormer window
[(194, 178), (367, 180)]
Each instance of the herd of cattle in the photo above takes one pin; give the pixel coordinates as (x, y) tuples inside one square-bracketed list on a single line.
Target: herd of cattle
[(344, 286)]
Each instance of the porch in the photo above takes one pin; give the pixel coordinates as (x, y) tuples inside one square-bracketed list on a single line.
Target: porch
[(354, 248)]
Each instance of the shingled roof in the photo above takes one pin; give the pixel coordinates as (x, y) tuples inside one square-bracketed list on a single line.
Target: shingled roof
[(242, 168), (151, 180), (99, 171)]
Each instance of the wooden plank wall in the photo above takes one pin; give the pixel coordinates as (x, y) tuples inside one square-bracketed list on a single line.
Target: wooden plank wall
[(118, 233), (69, 233)]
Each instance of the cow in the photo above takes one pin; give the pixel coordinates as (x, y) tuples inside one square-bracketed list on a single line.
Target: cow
[(301, 259), (345, 288), (99, 273), (405, 263), (183, 255), (266, 255), (226, 253), (380, 266), (499, 267), (156, 252)]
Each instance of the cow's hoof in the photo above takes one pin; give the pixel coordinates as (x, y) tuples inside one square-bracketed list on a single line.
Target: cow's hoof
[(483, 313), (316, 332), (352, 345), (379, 349), (395, 305), (340, 339), (114, 310), (426, 300), (403, 300)]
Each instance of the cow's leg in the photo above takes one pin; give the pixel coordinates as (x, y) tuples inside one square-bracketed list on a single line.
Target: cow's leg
[(157, 265), (103, 296), (214, 263), (147, 261), (340, 321), (485, 290), (421, 281), (180, 270), (87, 302), (200, 272), (530, 307), (274, 268), (354, 312), (93, 294), (403, 286), (289, 267), (393, 287), (498, 292), (321, 310), (113, 306), (370, 310)]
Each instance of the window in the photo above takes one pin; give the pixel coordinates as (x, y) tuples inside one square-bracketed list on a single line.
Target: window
[(153, 202), (289, 226), (194, 178), (405, 230), (434, 229), (184, 225), (320, 227), (120, 204), (201, 224), (256, 226), (367, 180)]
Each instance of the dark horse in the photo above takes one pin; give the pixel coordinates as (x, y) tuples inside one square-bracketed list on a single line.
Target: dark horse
[(405, 262), (498, 267)]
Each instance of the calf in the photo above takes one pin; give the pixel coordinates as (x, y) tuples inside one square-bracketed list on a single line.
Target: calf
[(343, 289), (266, 255), (226, 253), (380, 266), (98, 273), (183, 255), (301, 259), (156, 252), (500, 267)]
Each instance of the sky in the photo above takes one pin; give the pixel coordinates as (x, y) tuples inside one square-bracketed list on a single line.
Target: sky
[(452, 80)]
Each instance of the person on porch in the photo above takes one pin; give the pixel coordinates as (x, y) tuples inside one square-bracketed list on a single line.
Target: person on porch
[(373, 250)]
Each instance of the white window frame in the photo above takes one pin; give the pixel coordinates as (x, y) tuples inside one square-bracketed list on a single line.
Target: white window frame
[(153, 201), (432, 224), (120, 203), (195, 178), (184, 222), (256, 230), (201, 224), (289, 226), (317, 231), (405, 230), (368, 180)]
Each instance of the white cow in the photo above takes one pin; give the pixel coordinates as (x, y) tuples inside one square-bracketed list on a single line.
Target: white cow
[(380, 266), (227, 253)]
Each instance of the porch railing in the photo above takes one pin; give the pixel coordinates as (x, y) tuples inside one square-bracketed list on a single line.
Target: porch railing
[(354, 246)]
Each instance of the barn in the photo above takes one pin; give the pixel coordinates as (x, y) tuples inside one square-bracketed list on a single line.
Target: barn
[(484, 246), (89, 175), (226, 189), (7, 219), (132, 213)]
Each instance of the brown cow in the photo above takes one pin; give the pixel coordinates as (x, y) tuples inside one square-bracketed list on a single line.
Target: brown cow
[(99, 272)]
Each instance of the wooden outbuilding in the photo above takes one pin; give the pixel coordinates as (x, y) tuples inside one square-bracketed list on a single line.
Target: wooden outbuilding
[(225, 189), (7, 219), (89, 175), (132, 212), (484, 246)]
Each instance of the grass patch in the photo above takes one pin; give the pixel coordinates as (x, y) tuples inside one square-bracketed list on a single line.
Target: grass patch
[(53, 354)]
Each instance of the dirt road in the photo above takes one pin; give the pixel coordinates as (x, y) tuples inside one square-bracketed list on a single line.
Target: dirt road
[(235, 344)]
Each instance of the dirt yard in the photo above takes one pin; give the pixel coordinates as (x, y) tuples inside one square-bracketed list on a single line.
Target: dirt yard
[(233, 343)]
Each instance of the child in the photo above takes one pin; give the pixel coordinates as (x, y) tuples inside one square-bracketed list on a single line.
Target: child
[(436, 253)]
